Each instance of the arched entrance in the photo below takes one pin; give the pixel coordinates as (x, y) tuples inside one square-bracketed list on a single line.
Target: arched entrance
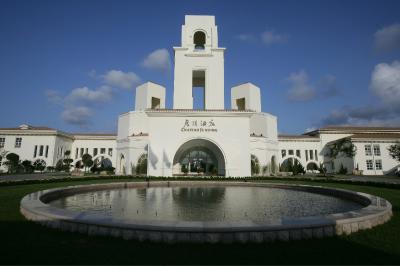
[(199, 157), (312, 167), (293, 165), (122, 168)]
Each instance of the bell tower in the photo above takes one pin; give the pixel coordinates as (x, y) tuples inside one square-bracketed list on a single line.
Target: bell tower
[(199, 66)]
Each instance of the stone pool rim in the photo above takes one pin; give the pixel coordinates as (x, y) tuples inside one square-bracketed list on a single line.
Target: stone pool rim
[(376, 211)]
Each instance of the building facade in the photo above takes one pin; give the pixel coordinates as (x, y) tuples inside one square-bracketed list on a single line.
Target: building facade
[(208, 139)]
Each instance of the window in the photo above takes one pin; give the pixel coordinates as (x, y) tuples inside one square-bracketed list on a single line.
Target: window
[(241, 104), (76, 153), (95, 150), (18, 142), (110, 151), (370, 166), (198, 89), (377, 150), (298, 153), (2, 141), (378, 164), (283, 153), (199, 39), (311, 155), (316, 155), (368, 151), (87, 150), (155, 103), (35, 151), (81, 154), (47, 151), (291, 152), (306, 151), (41, 150), (102, 150)]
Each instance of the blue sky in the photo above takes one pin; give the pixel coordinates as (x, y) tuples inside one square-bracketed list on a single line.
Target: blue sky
[(73, 65)]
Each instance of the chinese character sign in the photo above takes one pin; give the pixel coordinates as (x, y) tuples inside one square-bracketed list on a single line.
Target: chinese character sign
[(199, 125)]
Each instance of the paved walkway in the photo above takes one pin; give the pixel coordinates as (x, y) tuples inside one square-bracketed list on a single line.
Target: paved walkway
[(44, 176), (379, 179)]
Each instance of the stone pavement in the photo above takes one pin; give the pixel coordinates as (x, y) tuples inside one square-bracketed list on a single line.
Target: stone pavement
[(35, 176), (44, 176)]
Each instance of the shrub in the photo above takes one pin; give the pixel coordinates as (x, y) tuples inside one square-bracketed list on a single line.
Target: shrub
[(342, 170), (39, 165), (12, 162), (184, 169), (28, 167)]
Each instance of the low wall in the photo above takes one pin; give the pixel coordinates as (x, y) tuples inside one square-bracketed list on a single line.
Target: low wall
[(376, 211)]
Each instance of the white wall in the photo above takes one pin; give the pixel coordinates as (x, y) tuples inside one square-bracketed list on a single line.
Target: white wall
[(303, 145), (232, 137), (88, 143), (144, 94), (250, 93), (211, 60), (388, 163), (26, 151)]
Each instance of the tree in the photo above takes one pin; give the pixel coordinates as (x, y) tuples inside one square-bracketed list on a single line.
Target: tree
[(342, 148), (87, 161), (59, 165), (297, 168), (28, 167), (12, 162), (394, 151), (322, 169), (67, 164), (342, 170), (67, 153), (39, 165)]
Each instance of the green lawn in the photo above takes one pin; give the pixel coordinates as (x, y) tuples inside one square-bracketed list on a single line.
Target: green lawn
[(23, 242)]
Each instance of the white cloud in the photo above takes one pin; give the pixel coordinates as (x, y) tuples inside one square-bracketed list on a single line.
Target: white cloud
[(246, 37), (270, 37), (120, 79), (300, 89), (79, 103), (385, 83), (80, 115), (387, 39), (86, 95), (158, 60)]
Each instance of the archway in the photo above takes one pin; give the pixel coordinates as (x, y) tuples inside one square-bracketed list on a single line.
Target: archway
[(199, 39), (293, 165), (122, 168), (103, 161), (141, 166), (199, 157), (312, 166), (254, 165)]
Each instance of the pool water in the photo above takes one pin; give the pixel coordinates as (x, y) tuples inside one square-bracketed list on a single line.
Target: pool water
[(228, 203)]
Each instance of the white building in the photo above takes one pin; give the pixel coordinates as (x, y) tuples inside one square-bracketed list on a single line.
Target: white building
[(48, 144), (211, 140)]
